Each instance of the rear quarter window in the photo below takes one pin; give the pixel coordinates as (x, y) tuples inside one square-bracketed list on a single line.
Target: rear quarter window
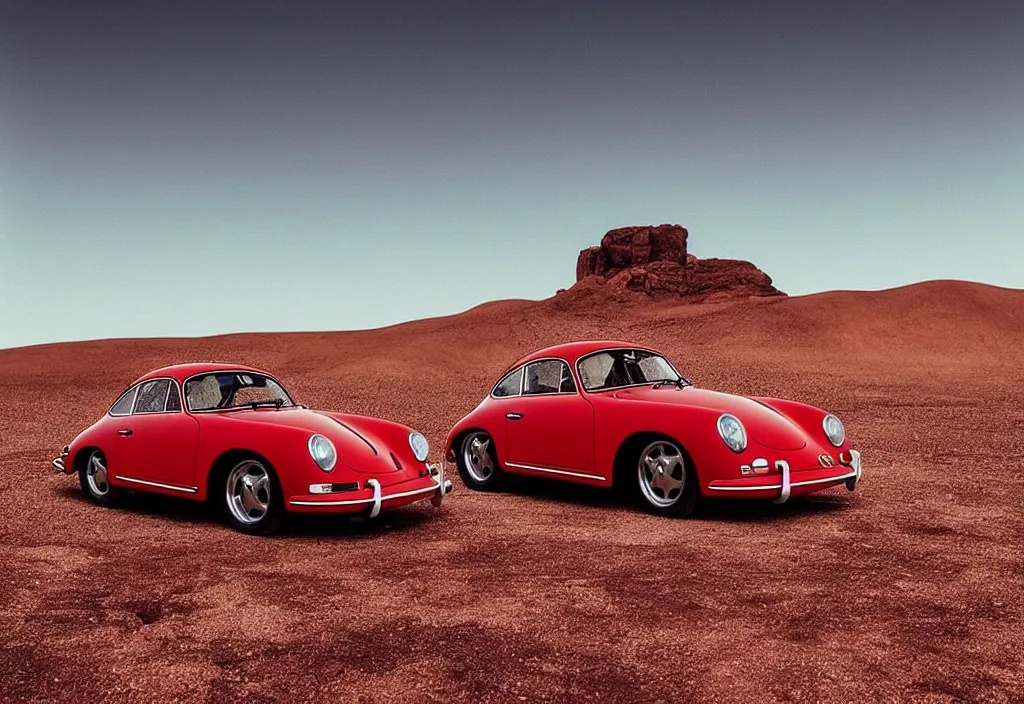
[(510, 385), (123, 405)]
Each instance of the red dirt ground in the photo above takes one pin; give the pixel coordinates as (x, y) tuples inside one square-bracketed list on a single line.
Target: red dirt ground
[(909, 590)]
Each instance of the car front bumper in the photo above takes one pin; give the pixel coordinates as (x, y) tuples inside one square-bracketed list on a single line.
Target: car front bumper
[(59, 464), (782, 485), (371, 498)]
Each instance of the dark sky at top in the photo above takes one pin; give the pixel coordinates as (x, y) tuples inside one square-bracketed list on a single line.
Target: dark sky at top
[(483, 144)]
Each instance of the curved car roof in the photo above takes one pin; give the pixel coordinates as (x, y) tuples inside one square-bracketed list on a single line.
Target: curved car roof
[(572, 351), (180, 372)]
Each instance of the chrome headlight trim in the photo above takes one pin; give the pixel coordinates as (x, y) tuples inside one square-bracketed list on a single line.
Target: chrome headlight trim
[(837, 435), (420, 446), (322, 451), (737, 445)]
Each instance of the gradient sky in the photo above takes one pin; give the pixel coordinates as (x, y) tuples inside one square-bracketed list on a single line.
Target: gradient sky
[(169, 169)]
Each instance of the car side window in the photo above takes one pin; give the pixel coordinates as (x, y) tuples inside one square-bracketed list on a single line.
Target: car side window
[(152, 397), (123, 405), (173, 400), (509, 386), (548, 377)]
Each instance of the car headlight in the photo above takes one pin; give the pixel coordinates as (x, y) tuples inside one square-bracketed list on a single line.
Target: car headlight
[(834, 430), (420, 446), (733, 434), (323, 453)]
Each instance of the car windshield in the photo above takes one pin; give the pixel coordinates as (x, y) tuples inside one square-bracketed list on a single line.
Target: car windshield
[(226, 390), (613, 369)]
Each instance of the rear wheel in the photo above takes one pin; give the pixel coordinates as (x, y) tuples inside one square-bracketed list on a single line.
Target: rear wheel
[(666, 484), (252, 498), (478, 465), (93, 477)]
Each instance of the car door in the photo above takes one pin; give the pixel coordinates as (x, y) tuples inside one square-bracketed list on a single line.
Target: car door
[(550, 426), (156, 444)]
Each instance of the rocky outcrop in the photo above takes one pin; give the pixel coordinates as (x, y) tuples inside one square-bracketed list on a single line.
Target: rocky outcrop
[(653, 260)]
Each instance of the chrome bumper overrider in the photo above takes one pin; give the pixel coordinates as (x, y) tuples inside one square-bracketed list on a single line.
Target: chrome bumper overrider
[(58, 464), (440, 487), (851, 479)]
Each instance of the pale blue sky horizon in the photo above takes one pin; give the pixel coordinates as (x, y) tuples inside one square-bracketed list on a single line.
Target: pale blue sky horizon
[(184, 172)]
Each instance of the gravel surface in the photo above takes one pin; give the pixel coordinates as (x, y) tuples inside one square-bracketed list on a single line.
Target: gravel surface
[(911, 589)]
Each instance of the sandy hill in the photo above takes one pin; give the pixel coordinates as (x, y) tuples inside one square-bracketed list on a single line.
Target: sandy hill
[(445, 365), (548, 593)]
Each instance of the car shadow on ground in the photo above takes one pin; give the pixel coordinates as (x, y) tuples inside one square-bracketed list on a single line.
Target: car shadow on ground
[(175, 510), (714, 509)]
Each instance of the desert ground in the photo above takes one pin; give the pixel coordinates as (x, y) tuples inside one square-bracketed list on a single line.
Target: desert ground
[(910, 589)]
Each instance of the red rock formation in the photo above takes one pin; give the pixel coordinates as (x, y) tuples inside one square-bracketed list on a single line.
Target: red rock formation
[(653, 260)]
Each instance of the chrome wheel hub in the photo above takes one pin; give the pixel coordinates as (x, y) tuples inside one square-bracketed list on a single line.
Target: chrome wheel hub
[(96, 475), (476, 452), (661, 473), (248, 492)]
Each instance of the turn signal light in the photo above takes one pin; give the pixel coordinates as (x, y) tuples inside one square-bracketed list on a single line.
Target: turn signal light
[(758, 466)]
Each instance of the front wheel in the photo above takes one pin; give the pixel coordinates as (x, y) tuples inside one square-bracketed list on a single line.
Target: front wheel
[(252, 498), (477, 463), (95, 481), (665, 484)]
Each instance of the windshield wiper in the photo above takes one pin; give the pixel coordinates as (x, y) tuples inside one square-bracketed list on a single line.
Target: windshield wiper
[(678, 383), (276, 403)]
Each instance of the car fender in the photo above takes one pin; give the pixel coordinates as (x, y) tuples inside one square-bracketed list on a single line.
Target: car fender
[(489, 417), (808, 418), (100, 434), (284, 447), (394, 436), (693, 428)]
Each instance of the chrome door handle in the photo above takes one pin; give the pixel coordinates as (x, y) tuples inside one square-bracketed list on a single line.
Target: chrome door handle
[(514, 416), (125, 433)]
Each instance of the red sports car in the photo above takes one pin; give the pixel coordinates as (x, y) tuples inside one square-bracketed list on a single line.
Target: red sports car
[(237, 437), (612, 413)]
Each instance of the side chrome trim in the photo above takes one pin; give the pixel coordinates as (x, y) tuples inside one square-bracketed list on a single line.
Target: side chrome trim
[(581, 475), (172, 487)]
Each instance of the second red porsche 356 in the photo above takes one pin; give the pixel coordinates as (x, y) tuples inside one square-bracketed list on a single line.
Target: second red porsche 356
[(616, 414), (233, 435)]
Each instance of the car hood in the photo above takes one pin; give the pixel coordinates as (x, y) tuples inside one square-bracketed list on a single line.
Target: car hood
[(764, 425), (358, 448)]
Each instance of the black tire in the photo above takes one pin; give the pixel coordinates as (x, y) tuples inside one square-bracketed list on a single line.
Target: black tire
[(92, 475), (478, 463), (251, 496), (658, 466)]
